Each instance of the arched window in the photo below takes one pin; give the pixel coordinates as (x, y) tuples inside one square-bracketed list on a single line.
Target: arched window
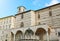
[(22, 24)]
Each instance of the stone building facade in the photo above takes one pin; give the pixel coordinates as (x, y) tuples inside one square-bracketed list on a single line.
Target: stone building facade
[(32, 25)]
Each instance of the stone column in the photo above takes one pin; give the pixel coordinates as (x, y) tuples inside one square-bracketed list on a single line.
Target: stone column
[(35, 37), (14, 37), (47, 36)]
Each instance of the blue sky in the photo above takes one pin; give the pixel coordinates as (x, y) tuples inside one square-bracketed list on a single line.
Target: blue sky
[(9, 7)]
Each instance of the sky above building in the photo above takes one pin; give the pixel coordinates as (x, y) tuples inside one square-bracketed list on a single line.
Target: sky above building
[(9, 7)]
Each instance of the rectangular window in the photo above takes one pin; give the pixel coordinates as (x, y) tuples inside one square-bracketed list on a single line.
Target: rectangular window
[(44, 23), (58, 33), (6, 27), (50, 13), (39, 23), (21, 16), (6, 35), (58, 15), (22, 24), (38, 16), (10, 26), (2, 32), (4, 22)]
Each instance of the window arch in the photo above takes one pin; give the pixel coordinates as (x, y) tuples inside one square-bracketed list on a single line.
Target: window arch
[(40, 32), (19, 35), (29, 33)]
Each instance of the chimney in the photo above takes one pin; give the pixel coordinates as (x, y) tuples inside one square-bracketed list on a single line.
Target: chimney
[(21, 9)]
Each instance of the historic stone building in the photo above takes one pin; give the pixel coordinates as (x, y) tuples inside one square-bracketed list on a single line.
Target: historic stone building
[(32, 25)]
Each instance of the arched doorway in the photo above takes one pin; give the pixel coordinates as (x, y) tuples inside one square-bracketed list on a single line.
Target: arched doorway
[(40, 33), (29, 33), (18, 35), (12, 36)]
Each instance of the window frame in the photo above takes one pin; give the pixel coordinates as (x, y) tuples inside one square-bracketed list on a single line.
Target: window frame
[(38, 16), (59, 34), (22, 24), (50, 13), (22, 16)]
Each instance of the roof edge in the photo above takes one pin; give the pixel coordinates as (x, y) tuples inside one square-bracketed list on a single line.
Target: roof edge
[(7, 17), (23, 12), (48, 7)]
